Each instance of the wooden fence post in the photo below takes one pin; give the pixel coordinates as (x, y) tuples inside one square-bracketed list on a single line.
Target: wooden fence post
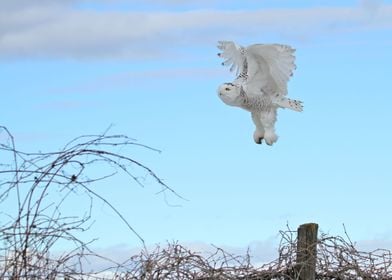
[(307, 251)]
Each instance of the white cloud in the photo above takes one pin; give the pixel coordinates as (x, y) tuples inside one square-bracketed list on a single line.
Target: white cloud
[(370, 245), (260, 251), (131, 79), (66, 32)]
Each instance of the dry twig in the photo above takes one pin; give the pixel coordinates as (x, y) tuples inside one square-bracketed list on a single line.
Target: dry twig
[(36, 190)]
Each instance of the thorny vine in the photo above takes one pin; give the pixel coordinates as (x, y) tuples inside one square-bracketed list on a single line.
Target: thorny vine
[(36, 190), (337, 259)]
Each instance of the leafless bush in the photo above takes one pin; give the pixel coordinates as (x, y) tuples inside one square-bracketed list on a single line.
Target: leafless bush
[(337, 259), (177, 262), (36, 190)]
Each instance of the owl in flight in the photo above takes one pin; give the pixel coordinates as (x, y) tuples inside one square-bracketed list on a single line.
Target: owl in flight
[(261, 83)]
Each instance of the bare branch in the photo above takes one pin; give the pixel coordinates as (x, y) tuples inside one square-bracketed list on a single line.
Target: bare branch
[(43, 184)]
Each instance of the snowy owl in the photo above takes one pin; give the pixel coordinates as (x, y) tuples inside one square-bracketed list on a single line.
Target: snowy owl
[(261, 84)]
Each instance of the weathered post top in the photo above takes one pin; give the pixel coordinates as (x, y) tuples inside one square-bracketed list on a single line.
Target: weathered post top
[(307, 251)]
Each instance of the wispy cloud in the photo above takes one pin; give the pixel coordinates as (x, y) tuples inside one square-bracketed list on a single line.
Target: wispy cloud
[(260, 252), (132, 79), (22, 137), (67, 32), (384, 242), (60, 105)]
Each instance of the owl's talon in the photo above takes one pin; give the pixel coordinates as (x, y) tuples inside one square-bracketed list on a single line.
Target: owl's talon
[(259, 141), (270, 138), (258, 137)]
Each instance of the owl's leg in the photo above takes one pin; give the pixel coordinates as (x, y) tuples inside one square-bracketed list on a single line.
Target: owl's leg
[(258, 135), (268, 119)]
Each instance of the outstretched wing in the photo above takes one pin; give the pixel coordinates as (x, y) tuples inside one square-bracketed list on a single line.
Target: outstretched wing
[(269, 68), (234, 56)]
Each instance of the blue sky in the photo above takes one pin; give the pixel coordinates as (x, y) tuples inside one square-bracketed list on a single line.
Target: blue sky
[(150, 69)]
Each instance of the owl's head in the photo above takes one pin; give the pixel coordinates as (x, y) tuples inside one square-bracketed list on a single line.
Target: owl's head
[(230, 94)]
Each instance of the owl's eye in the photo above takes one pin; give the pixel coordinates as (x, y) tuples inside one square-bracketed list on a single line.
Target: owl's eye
[(227, 89)]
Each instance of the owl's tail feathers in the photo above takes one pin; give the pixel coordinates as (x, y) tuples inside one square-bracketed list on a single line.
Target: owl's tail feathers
[(294, 105)]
